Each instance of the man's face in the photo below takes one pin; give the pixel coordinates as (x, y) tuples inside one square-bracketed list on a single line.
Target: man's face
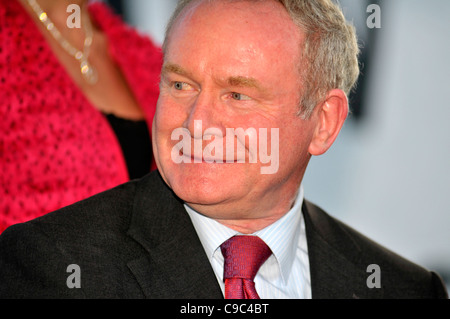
[(232, 65)]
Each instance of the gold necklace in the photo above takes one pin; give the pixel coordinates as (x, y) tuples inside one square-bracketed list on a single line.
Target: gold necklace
[(88, 72)]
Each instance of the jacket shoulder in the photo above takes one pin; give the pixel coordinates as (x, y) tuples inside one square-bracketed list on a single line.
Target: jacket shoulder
[(399, 277), (91, 234)]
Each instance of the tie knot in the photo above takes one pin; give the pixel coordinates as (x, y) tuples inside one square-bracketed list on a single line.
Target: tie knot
[(244, 255)]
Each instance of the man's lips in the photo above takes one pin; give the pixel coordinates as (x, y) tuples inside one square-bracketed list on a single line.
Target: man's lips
[(217, 157)]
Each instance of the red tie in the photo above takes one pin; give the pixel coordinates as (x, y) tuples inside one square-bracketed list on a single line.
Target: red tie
[(243, 255)]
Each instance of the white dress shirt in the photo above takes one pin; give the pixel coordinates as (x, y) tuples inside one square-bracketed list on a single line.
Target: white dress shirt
[(286, 273)]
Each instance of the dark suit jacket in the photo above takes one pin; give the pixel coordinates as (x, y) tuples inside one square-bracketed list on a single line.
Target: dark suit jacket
[(137, 241)]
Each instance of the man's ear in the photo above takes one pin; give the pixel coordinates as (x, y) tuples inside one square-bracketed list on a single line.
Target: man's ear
[(330, 117)]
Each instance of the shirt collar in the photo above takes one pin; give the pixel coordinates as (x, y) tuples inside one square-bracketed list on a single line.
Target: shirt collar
[(282, 236)]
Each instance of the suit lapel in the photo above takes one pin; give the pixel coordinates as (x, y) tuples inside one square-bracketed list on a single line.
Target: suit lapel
[(334, 259), (176, 265)]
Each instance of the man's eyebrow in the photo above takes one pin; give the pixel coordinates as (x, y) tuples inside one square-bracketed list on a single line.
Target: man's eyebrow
[(174, 68), (238, 81), (242, 81)]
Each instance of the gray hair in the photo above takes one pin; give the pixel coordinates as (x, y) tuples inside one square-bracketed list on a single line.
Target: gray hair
[(330, 50)]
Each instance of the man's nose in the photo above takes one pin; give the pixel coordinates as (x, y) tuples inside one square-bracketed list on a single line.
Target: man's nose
[(203, 114)]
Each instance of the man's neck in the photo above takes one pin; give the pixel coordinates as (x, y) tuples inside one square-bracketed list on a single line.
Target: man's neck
[(248, 220)]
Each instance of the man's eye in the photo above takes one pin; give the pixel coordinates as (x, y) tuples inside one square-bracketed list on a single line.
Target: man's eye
[(181, 86), (178, 85), (239, 96)]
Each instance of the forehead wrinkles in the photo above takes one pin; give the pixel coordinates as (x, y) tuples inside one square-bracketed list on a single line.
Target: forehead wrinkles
[(264, 19), (255, 30)]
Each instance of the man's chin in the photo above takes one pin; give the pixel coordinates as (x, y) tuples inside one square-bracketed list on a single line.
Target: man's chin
[(201, 187), (202, 174), (199, 191)]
